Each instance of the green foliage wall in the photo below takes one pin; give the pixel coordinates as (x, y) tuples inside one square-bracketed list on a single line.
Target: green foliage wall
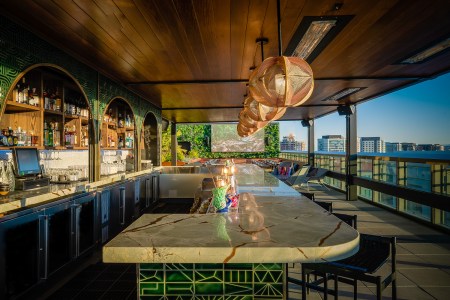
[(200, 134)]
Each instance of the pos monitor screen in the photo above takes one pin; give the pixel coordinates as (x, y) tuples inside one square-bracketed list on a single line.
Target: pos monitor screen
[(27, 161)]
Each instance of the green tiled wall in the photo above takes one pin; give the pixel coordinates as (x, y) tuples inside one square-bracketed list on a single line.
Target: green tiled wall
[(211, 281)]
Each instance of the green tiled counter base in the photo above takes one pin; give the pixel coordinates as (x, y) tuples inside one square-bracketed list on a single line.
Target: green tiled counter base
[(211, 281)]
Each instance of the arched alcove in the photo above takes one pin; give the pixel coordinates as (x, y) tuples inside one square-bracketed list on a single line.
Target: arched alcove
[(149, 141), (46, 108), (117, 138)]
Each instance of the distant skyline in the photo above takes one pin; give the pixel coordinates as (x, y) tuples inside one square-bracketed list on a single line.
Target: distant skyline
[(418, 114)]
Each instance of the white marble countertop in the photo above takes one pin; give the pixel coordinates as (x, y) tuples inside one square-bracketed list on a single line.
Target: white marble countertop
[(12, 202), (274, 224)]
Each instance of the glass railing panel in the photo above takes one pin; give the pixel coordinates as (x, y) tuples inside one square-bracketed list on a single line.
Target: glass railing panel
[(418, 210), (365, 167), (338, 184), (365, 193), (385, 199), (446, 219), (385, 171), (418, 176)]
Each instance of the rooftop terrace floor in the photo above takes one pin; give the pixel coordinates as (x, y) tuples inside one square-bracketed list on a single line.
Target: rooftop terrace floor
[(423, 254)]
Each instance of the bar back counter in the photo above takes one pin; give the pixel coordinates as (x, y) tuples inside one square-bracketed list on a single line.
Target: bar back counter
[(234, 255), (46, 231)]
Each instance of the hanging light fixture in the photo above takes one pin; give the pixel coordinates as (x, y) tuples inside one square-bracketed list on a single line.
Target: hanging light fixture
[(244, 131), (281, 81), (260, 112), (249, 122)]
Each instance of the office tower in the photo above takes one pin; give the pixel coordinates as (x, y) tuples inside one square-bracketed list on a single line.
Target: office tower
[(372, 144), (331, 143)]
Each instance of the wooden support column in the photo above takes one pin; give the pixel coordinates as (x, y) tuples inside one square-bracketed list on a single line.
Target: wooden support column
[(174, 143), (95, 123), (351, 191)]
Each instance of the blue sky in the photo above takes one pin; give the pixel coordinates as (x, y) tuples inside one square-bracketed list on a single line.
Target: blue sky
[(417, 114)]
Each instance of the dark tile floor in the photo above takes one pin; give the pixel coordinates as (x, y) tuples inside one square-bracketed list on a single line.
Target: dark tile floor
[(100, 281)]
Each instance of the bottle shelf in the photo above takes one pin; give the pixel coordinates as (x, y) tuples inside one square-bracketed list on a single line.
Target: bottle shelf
[(53, 112), (12, 147), (76, 147), (15, 107)]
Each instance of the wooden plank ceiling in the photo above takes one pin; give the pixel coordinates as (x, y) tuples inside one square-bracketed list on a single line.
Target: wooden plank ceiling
[(192, 58)]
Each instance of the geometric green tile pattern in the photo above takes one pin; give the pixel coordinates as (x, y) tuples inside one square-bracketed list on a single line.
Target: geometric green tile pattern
[(211, 281)]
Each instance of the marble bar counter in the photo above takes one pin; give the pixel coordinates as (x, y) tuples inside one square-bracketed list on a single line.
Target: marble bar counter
[(23, 199), (274, 225)]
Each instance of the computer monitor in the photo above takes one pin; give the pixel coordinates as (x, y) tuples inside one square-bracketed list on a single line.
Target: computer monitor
[(27, 161)]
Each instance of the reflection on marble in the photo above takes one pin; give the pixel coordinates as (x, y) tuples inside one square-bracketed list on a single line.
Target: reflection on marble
[(279, 226)]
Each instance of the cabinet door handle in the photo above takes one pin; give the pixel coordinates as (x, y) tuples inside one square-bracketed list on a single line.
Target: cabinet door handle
[(147, 192), (122, 205), (76, 210), (43, 246)]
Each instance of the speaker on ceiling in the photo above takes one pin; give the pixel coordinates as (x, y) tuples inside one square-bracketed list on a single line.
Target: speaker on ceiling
[(346, 110), (306, 123)]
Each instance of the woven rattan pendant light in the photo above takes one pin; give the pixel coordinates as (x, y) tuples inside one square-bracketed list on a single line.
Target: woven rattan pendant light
[(260, 112), (282, 81)]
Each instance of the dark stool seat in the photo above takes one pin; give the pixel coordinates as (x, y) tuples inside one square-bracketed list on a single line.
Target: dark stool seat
[(373, 252)]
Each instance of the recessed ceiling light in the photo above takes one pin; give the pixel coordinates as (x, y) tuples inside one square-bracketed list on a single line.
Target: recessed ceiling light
[(317, 30), (314, 34), (428, 52), (343, 93)]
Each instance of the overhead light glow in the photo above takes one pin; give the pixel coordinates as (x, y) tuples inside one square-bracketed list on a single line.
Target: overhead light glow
[(427, 53), (316, 31)]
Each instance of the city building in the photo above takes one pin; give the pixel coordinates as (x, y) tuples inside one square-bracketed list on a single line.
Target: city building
[(430, 147), (372, 144), (408, 146), (288, 143), (393, 147), (331, 143)]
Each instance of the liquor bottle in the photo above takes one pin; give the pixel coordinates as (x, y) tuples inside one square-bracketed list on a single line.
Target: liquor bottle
[(50, 136), (121, 123), (110, 115), (3, 140), (129, 141), (16, 93), (120, 144), (35, 97), (58, 100), (66, 137), (45, 134), (56, 135), (46, 99)]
